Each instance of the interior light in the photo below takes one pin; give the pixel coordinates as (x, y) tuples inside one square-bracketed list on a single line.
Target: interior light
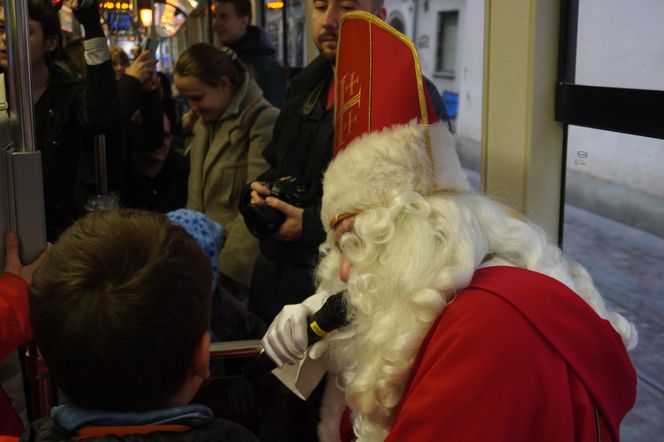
[(146, 17)]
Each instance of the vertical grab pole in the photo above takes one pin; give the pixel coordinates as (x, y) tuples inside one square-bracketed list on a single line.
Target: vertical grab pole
[(286, 37), (100, 165), (22, 163), (18, 37), (24, 174)]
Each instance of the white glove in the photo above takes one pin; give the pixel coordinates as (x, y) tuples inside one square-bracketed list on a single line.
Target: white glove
[(286, 339)]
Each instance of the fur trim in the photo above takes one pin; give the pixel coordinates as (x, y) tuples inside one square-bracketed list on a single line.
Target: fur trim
[(331, 411), (377, 166)]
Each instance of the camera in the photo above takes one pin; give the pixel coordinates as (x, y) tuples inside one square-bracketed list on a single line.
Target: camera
[(262, 220)]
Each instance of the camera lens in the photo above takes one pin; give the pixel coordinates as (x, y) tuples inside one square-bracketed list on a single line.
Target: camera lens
[(263, 221)]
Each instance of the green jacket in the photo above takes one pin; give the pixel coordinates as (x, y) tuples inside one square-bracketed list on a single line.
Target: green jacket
[(224, 158)]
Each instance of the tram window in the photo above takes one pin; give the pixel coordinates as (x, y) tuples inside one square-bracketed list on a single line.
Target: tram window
[(613, 226), (449, 36), (611, 63), (620, 44)]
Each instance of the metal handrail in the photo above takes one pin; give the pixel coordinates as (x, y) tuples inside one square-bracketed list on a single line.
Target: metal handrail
[(229, 349), (20, 63), (100, 165)]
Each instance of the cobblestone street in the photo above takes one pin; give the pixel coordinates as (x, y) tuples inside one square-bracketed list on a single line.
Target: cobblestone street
[(626, 264)]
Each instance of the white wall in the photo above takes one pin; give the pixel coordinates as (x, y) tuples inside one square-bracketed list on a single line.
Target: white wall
[(629, 160), (467, 81), (426, 39), (404, 9), (471, 50), (620, 44)]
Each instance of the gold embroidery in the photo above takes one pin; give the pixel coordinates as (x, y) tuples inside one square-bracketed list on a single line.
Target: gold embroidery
[(350, 102)]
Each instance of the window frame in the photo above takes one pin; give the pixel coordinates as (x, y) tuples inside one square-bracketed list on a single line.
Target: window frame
[(630, 111), (439, 72)]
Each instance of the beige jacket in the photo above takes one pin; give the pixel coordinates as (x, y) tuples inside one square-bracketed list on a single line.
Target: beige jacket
[(220, 172)]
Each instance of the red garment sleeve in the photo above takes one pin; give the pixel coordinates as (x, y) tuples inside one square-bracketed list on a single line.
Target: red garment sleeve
[(14, 314), (482, 374)]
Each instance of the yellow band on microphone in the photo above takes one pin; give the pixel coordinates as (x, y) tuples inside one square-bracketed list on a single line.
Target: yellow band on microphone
[(319, 331)]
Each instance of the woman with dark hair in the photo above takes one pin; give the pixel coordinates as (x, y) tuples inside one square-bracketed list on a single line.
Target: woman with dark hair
[(234, 126), (157, 179), (68, 110)]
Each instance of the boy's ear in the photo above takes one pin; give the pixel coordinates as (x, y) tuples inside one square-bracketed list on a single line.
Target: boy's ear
[(200, 365)]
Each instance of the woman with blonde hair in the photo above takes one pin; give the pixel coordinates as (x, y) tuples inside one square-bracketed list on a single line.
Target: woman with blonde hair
[(120, 61), (234, 125)]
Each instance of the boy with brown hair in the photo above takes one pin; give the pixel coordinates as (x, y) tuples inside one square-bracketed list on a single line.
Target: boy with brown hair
[(120, 311)]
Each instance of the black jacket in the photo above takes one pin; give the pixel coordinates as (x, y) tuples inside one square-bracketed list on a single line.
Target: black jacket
[(219, 430), (165, 192), (255, 50), (137, 125), (67, 115), (301, 147)]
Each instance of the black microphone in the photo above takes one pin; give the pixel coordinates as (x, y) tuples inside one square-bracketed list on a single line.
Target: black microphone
[(331, 316)]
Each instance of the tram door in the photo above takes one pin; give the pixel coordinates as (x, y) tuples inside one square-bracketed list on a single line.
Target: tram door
[(21, 188)]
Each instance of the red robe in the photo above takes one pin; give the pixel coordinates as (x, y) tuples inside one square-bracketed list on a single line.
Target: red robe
[(517, 356), (14, 315), (14, 331)]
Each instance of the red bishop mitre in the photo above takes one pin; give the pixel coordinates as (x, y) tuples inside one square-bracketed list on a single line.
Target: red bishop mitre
[(378, 80)]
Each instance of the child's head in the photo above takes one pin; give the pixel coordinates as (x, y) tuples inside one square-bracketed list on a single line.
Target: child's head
[(120, 311)]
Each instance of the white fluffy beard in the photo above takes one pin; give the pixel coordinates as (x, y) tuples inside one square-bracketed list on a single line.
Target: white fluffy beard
[(376, 355), (409, 260), (397, 288)]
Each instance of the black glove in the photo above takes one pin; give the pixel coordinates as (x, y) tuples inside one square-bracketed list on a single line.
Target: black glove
[(87, 14)]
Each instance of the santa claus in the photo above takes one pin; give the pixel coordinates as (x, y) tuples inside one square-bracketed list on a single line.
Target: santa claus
[(466, 323)]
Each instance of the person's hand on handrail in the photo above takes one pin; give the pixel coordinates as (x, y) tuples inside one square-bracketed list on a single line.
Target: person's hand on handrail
[(13, 263)]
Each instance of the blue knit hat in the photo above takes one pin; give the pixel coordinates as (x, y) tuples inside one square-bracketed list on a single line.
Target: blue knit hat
[(208, 234)]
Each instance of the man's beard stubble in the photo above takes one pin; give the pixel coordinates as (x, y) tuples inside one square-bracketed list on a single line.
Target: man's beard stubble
[(327, 36)]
